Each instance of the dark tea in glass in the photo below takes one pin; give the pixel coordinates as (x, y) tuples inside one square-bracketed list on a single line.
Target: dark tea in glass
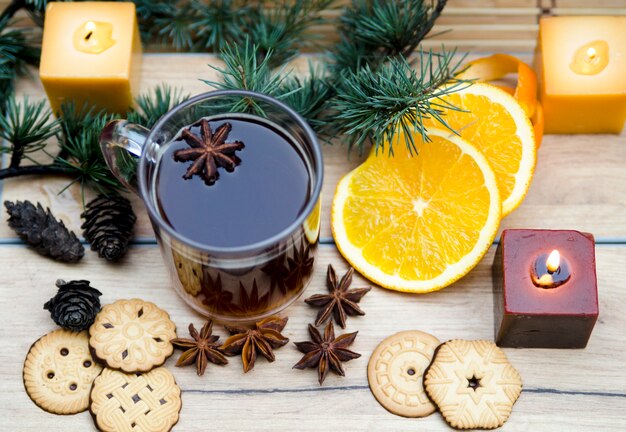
[(234, 200)]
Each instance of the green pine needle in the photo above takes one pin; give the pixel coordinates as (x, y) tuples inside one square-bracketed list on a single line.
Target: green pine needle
[(374, 105), (309, 97), (18, 47), (148, 12), (281, 29), (216, 22), (83, 159), (153, 105), (373, 30), (175, 28), (244, 71), (74, 119), (26, 127)]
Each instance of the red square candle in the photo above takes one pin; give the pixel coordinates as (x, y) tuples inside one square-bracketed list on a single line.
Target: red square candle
[(545, 289)]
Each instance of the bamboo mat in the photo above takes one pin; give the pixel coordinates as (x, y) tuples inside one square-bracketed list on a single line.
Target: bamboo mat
[(478, 25)]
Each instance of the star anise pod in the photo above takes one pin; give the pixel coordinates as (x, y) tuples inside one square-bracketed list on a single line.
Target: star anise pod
[(341, 301), (275, 270), (208, 151), (326, 353), (202, 349), (300, 266), (252, 302), (216, 298), (264, 338)]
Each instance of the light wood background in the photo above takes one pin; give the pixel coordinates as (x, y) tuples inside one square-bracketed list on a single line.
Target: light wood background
[(580, 183)]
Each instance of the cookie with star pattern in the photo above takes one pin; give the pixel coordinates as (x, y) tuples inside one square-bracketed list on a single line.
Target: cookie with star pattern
[(473, 384)]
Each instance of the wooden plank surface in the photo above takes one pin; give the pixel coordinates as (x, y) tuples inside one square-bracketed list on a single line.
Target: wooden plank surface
[(563, 389)]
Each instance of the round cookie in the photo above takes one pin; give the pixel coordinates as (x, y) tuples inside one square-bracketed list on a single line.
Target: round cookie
[(132, 335), (138, 402), (59, 372), (189, 273), (473, 384), (395, 373)]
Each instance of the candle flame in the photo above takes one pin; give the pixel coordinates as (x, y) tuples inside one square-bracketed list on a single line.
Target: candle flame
[(91, 26), (554, 261), (591, 53)]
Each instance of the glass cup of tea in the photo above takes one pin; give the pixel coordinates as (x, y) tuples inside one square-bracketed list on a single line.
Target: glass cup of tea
[(231, 181)]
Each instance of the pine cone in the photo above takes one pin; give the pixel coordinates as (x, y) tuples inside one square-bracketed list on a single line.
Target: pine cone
[(75, 305), (109, 225), (39, 228)]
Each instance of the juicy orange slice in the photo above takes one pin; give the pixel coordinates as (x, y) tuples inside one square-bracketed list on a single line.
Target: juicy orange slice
[(417, 223), (495, 123), (498, 66)]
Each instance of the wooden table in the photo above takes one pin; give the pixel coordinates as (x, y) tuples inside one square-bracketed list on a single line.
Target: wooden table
[(580, 183)]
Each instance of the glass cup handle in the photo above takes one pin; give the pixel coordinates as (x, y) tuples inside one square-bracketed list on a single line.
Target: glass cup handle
[(122, 144)]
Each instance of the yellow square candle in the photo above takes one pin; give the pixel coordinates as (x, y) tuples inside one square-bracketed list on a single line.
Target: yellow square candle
[(91, 52), (581, 62)]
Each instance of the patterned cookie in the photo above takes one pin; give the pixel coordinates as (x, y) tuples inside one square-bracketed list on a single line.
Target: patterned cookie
[(473, 384), (148, 402), (59, 371), (132, 335), (395, 372)]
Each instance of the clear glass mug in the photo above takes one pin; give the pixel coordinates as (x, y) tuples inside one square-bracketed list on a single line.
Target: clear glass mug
[(228, 284)]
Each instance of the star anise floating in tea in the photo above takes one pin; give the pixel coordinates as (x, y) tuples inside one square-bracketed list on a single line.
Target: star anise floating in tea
[(264, 338), (201, 350), (208, 151), (326, 353), (340, 301)]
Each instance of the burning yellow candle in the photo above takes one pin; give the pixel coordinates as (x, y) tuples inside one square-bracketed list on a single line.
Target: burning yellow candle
[(581, 64), (91, 53)]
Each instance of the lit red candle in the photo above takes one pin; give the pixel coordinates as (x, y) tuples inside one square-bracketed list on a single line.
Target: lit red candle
[(545, 290)]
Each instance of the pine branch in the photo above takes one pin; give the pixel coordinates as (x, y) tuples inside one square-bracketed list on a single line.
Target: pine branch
[(26, 127), (74, 119), (18, 47), (155, 104), (309, 97), (12, 9), (244, 71), (281, 28), (374, 105), (216, 22), (149, 12), (83, 159), (174, 27), (49, 169), (373, 30)]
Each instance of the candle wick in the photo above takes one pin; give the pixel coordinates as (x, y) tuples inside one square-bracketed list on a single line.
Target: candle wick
[(88, 35)]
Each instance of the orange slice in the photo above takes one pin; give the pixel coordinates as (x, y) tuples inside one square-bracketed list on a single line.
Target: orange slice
[(417, 223), (498, 66), (496, 124)]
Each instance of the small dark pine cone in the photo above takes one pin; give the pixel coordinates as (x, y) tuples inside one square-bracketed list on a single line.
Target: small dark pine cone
[(75, 305), (43, 232), (108, 226)]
